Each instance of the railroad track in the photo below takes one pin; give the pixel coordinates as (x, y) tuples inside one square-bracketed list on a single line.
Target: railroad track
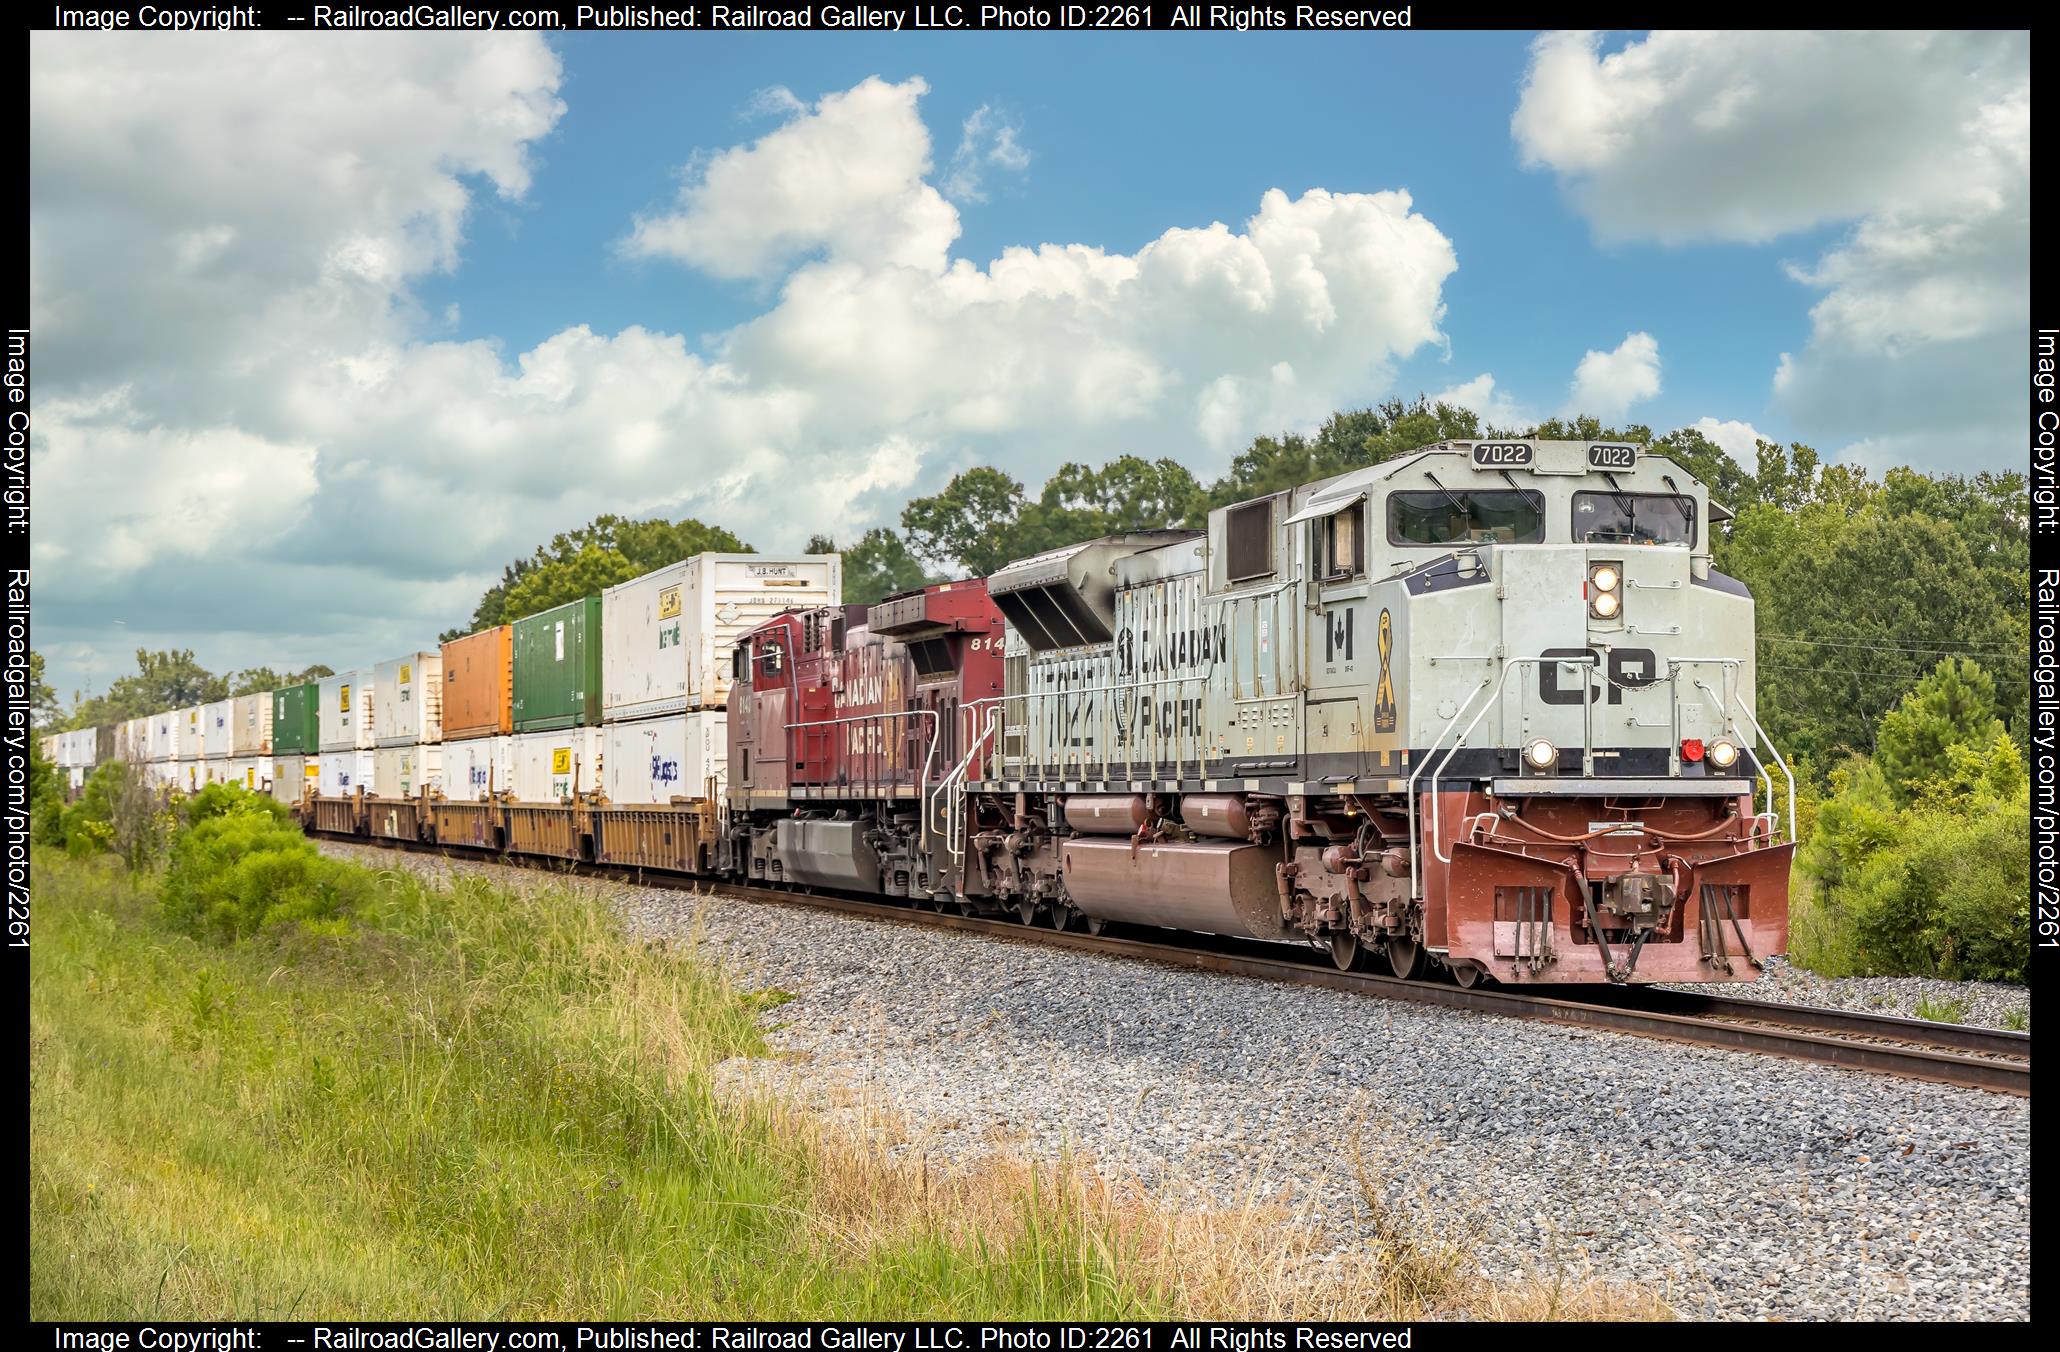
[(1917, 1049)]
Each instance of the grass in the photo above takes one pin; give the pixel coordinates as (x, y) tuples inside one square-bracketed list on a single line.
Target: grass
[(1941, 1011), (2018, 1020), (471, 1101)]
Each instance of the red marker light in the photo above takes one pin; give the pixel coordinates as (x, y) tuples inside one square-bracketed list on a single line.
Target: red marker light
[(1691, 748)]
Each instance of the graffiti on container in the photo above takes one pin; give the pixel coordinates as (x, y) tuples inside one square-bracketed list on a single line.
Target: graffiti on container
[(478, 776), (664, 771)]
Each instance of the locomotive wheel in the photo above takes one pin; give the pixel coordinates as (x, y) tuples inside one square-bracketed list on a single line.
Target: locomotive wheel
[(1405, 957), (1062, 917), (1093, 924), (1345, 950), (1026, 911), (1466, 976)]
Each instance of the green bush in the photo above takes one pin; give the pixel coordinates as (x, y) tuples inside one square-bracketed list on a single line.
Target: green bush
[(1925, 877), (218, 800), (243, 868)]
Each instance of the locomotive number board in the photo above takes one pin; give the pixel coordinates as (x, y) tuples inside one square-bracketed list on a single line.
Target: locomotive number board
[(1503, 454), (1603, 455)]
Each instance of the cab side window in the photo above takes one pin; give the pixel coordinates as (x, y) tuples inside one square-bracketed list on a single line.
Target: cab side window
[(1341, 540)]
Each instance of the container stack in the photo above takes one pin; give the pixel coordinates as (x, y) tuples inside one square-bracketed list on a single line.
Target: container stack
[(668, 636), (78, 752), (214, 741), (478, 714), (556, 657), (161, 751), (250, 742), (345, 735), (296, 740), (407, 725), (187, 727)]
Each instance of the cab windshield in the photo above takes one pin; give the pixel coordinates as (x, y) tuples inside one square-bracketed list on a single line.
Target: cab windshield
[(1440, 517), (1634, 518)]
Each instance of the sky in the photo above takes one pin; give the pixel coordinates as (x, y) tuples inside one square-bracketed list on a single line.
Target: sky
[(328, 328)]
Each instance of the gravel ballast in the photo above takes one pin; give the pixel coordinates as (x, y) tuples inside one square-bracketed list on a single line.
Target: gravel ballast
[(1739, 1186), (1991, 1004)]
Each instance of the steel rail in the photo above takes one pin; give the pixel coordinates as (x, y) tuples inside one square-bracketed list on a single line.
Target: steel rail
[(1916, 1049)]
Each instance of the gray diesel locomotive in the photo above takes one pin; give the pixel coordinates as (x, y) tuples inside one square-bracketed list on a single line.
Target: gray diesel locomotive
[(1486, 707)]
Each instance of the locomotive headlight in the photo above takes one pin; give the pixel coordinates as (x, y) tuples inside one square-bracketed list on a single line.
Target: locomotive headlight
[(1540, 754), (1723, 754), (1605, 578), (1605, 604)]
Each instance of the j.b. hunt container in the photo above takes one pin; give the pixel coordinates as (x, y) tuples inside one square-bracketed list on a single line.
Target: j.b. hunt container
[(479, 684), (346, 712), (478, 767), (668, 634), (557, 667), (296, 722), (407, 700), (655, 760), (549, 767)]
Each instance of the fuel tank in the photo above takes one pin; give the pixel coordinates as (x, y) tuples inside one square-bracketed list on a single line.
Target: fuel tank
[(1210, 888)]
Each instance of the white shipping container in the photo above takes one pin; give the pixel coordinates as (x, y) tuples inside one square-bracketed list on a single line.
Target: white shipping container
[(549, 766), (655, 760), (344, 715), (248, 772), (478, 767), (50, 746), (187, 725), (289, 773), (163, 743), (77, 775), (215, 734), (251, 726), (132, 741), (342, 773), (666, 636), (81, 747), (407, 700), (404, 771)]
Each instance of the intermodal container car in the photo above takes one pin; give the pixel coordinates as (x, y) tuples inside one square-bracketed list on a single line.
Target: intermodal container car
[(558, 667)]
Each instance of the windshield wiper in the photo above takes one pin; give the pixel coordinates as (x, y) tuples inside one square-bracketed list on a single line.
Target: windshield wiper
[(1464, 509)]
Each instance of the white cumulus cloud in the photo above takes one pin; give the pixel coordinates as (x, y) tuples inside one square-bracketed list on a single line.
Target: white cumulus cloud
[(1739, 440), (226, 239), (1916, 144), (1606, 384)]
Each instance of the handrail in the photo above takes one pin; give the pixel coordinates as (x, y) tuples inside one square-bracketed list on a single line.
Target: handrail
[(1084, 692), (1436, 742), (1772, 750)]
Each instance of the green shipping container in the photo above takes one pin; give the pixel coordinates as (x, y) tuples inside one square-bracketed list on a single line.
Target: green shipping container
[(296, 716), (558, 668)]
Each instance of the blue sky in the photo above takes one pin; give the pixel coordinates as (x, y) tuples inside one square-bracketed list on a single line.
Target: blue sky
[(330, 327), (1130, 137)]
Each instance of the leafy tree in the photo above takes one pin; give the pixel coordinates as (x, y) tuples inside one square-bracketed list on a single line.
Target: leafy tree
[(970, 523), (1347, 441), (554, 573), (264, 680), (43, 706), (1952, 708), (879, 565)]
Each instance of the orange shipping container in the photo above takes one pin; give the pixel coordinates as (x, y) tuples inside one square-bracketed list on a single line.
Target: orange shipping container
[(479, 684)]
